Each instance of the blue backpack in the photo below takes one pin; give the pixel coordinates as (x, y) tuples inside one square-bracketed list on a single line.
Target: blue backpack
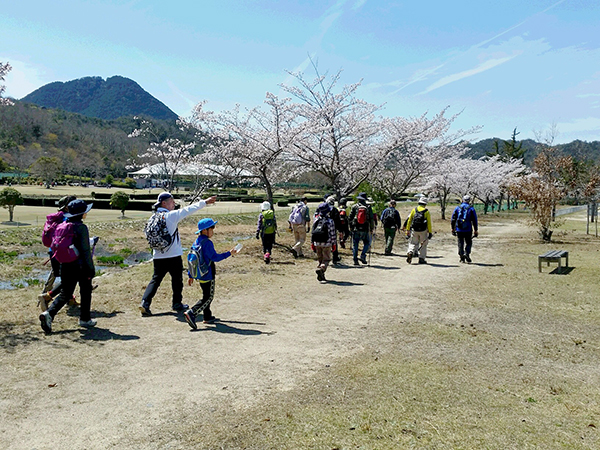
[(197, 266)]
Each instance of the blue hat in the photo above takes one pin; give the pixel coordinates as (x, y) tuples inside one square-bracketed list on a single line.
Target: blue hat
[(162, 197), (77, 208), (205, 223), (324, 208)]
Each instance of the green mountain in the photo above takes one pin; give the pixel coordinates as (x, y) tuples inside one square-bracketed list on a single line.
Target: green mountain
[(105, 99), (584, 151)]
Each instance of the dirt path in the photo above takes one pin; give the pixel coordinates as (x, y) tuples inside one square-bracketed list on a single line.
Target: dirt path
[(134, 378)]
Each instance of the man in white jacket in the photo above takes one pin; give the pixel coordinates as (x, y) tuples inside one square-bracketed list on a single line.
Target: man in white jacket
[(169, 260)]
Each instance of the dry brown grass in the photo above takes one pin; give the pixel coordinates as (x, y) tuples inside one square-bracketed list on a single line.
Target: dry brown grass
[(506, 358)]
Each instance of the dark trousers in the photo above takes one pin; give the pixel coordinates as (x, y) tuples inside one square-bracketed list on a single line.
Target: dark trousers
[(172, 266), (390, 234), (267, 242), (71, 274), (465, 241), (203, 305)]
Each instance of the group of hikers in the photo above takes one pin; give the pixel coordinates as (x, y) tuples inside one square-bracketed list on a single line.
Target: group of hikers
[(71, 248)]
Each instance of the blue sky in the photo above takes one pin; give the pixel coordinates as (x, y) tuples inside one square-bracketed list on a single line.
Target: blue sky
[(504, 64)]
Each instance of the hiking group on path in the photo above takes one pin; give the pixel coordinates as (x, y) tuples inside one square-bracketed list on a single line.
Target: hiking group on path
[(71, 249)]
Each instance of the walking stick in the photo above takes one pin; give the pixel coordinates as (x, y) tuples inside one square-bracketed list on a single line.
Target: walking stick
[(370, 249)]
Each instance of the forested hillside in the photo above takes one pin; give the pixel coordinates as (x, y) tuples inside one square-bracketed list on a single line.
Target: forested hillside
[(583, 151), (94, 97), (84, 146)]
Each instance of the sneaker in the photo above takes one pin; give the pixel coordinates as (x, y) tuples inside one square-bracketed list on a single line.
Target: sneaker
[(468, 259), (409, 256), (46, 322), (180, 307), (462, 258), (356, 262), (320, 274), (145, 310), (88, 324), (363, 260), (211, 319), (295, 253), (190, 317), (44, 300), (267, 258), (422, 261)]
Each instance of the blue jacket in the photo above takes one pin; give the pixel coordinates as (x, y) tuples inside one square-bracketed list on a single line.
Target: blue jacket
[(209, 255), (469, 224)]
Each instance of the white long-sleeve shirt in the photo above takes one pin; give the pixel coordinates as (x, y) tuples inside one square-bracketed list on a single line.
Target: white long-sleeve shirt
[(173, 218)]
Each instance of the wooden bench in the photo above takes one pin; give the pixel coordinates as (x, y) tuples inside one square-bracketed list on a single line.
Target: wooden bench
[(553, 256)]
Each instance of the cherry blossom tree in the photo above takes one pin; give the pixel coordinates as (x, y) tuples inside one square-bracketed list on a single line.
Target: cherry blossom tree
[(543, 189), (417, 145), (4, 69), (164, 157), (251, 142), (340, 136)]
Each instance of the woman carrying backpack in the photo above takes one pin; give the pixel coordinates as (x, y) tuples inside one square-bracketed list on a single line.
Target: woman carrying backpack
[(52, 289), (71, 247), (266, 229)]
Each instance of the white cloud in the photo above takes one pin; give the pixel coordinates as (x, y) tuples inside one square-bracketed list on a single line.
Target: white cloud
[(588, 124), (358, 4), (22, 79), (487, 65)]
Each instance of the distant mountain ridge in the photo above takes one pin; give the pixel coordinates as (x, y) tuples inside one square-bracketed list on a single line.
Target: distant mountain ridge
[(105, 99)]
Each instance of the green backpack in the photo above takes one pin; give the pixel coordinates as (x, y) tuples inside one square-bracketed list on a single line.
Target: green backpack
[(268, 222)]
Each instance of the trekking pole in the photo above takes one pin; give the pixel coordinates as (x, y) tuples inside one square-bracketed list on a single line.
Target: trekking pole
[(370, 248)]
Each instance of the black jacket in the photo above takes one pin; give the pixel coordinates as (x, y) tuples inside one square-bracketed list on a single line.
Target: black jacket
[(81, 240)]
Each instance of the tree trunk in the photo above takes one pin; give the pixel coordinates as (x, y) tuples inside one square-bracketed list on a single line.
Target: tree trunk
[(11, 210), (546, 234)]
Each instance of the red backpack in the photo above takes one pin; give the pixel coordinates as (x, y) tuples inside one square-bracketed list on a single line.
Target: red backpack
[(52, 221), (362, 215)]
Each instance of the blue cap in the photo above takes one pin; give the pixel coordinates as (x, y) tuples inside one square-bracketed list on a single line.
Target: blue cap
[(203, 224), (78, 208)]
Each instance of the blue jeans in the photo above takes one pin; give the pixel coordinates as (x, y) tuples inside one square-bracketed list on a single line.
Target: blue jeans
[(358, 236)]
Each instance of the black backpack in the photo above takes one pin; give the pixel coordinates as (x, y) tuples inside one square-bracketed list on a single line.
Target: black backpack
[(389, 218), (320, 230), (419, 222)]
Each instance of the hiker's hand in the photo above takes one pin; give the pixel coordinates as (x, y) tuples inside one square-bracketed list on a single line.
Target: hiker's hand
[(313, 248), (256, 235), (211, 200), (476, 233), (190, 281), (233, 251), (333, 248)]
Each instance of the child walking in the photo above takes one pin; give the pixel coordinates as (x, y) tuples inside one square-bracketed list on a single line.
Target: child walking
[(207, 256), (266, 229)]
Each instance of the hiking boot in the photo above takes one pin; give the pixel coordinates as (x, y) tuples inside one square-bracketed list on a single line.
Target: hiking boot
[(73, 302), (44, 300), (320, 274), (462, 258), (363, 260), (145, 310), (190, 317), (468, 259), (409, 256), (388, 253), (180, 307), (46, 322), (422, 261), (211, 319), (356, 262), (88, 324), (294, 253)]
